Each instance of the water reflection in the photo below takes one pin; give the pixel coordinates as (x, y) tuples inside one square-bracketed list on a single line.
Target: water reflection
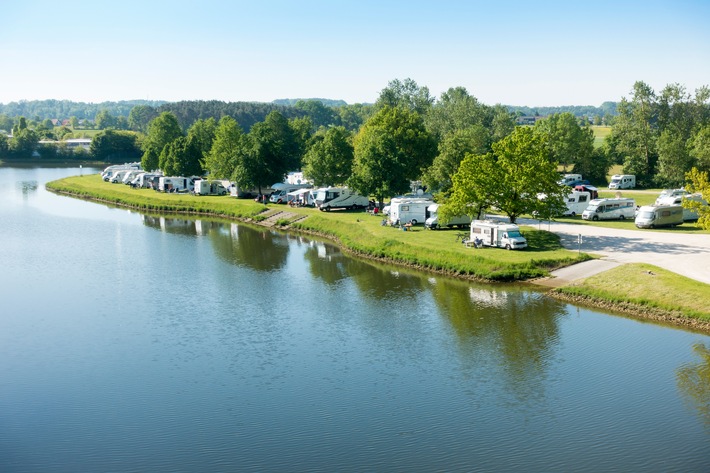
[(27, 188), (694, 382), (258, 249)]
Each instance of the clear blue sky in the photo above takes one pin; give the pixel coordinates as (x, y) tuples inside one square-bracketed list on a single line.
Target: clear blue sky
[(532, 53)]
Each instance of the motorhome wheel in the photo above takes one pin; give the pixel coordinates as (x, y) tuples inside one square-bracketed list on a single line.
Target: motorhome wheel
[(507, 247), (414, 221), (595, 218)]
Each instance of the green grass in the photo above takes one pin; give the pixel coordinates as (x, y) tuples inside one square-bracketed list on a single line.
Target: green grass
[(357, 231), (600, 134), (646, 288)]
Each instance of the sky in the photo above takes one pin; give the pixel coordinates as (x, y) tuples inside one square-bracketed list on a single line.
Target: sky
[(534, 53)]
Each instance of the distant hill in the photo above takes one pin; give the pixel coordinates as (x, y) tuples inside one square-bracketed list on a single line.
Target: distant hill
[(44, 109), (607, 108), (326, 102)]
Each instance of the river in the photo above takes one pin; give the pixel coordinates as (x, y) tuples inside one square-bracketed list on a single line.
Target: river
[(134, 342)]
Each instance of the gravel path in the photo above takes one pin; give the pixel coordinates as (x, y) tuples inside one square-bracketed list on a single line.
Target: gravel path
[(683, 253)]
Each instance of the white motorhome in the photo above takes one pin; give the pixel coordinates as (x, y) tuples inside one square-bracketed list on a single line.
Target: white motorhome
[(652, 216), (570, 179), (144, 180), (109, 171), (176, 184), (610, 209), (328, 198), (689, 215), (118, 176), (622, 181), (207, 187), (577, 202), (501, 235), (412, 211), (130, 175), (433, 221), (301, 197), (280, 194), (667, 195)]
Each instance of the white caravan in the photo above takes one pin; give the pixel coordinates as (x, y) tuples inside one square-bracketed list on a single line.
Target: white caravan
[(118, 176), (280, 194), (130, 175), (412, 211), (610, 209), (570, 179), (433, 221), (688, 214), (501, 235), (109, 171), (176, 184), (577, 202), (652, 216), (144, 180), (206, 187), (340, 198), (622, 181)]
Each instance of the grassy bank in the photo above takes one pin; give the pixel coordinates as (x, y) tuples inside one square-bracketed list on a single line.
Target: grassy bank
[(357, 231), (647, 291)]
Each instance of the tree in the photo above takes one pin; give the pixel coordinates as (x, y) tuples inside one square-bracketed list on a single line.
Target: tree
[(700, 148), (698, 182), (202, 133), (455, 110), (274, 151), (567, 141), (115, 145), (181, 157), (320, 115), (406, 94), (4, 145), (392, 149), (329, 159), (105, 120), (226, 151), (74, 122), (508, 179), (140, 116), (163, 130), (24, 142), (452, 150)]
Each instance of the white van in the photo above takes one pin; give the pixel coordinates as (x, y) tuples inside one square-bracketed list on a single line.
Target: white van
[(652, 216), (433, 221), (622, 181), (412, 211), (577, 202), (610, 209), (501, 235)]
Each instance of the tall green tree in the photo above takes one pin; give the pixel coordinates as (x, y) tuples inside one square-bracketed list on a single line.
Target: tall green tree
[(700, 148), (140, 116), (24, 143), (329, 160), (319, 114), (452, 149), (181, 157), (275, 150), (392, 149), (508, 179), (115, 145), (202, 133), (226, 151), (4, 145), (456, 110), (105, 120), (406, 94), (568, 142), (698, 182), (163, 130)]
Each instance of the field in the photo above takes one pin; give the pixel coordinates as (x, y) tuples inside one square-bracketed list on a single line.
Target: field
[(600, 133)]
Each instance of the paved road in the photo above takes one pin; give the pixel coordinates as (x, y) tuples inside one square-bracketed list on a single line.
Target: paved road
[(683, 253)]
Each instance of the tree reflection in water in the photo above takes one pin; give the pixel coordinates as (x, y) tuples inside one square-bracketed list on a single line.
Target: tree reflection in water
[(694, 382)]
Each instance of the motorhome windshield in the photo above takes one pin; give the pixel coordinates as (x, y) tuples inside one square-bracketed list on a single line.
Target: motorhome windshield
[(646, 214), (514, 234)]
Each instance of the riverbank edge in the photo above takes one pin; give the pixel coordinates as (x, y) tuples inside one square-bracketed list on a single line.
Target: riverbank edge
[(641, 312), (637, 311)]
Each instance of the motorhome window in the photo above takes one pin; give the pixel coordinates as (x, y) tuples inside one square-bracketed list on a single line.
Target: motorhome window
[(665, 213), (582, 198), (405, 208), (514, 234), (647, 215)]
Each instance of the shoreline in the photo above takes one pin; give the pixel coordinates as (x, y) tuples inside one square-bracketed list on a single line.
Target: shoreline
[(626, 308)]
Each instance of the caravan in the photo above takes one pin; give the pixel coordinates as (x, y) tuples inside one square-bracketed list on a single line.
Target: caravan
[(433, 221), (622, 181), (610, 209), (176, 184), (412, 211), (652, 216), (328, 198), (501, 235), (678, 199), (206, 187), (577, 202), (280, 194)]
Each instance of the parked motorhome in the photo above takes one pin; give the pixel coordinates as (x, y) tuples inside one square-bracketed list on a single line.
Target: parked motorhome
[(118, 176), (130, 175), (610, 209), (301, 197), (622, 181), (109, 171), (412, 211), (501, 235), (207, 187), (689, 215), (570, 179), (280, 194), (328, 198), (433, 221), (577, 202), (667, 195), (144, 180), (176, 184), (653, 216)]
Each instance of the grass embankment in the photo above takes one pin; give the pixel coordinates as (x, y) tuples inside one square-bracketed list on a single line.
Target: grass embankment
[(647, 291), (357, 231)]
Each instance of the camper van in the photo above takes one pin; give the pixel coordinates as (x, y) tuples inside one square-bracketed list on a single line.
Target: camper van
[(577, 202), (668, 195), (340, 198), (280, 194), (652, 216), (501, 235), (117, 176), (109, 171), (610, 209), (689, 215), (570, 179), (176, 184), (206, 187), (412, 211), (145, 180), (622, 181), (433, 221)]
